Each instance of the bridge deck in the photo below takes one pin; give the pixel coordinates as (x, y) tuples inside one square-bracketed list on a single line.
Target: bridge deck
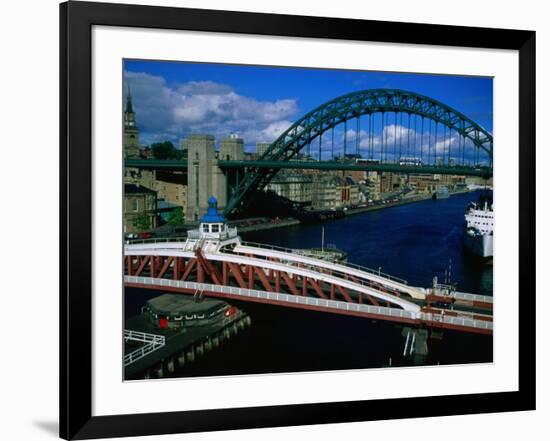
[(435, 318), (468, 316), (363, 273), (299, 271), (182, 165)]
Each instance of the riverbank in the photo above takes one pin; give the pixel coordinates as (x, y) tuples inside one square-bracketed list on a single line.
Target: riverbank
[(410, 200), (291, 222), (404, 201), (282, 223), (349, 212)]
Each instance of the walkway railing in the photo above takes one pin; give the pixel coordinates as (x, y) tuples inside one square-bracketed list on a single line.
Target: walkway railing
[(456, 321), (267, 247), (472, 297), (350, 265), (152, 342), (382, 311), (191, 234), (230, 233), (274, 296), (156, 240)]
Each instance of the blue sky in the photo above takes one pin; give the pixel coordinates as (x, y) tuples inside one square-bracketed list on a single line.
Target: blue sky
[(173, 99)]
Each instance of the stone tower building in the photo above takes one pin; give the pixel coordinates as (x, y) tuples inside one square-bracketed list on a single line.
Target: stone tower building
[(131, 132), (232, 148), (204, 177)]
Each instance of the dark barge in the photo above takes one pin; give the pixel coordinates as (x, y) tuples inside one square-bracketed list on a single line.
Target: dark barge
[(175, 329)]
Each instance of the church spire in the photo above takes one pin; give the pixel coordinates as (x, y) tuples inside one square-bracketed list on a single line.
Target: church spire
[(131, 132), (129, 108)]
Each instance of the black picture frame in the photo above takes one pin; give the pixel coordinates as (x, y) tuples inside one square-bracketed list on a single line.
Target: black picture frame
[(76, 21)]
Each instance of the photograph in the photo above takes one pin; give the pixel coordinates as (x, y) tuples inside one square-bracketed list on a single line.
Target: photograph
[(275, 220), (281, 219)]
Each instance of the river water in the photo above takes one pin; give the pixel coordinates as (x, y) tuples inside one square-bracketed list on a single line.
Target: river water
[(414, 242)]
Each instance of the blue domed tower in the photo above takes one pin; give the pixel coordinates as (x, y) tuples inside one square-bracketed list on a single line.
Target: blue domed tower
[(213, 225), (213, 233)]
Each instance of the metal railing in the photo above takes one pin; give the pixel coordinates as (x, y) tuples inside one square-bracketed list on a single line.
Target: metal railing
[(314, 301), (348, 265), (152, 343), (364, 286), (191, 234), (232, 232), (156, 240), (196, 234), (473, 297), (289, 298), (341, 276), (377, 273), (267, 246), (457, 321)]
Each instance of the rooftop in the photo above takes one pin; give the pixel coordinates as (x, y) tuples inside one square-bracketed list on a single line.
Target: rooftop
[(165, 205), (212, 214), (176, 304), (136, 188)]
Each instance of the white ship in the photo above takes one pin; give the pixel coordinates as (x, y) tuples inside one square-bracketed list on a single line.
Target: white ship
[(478, 236)]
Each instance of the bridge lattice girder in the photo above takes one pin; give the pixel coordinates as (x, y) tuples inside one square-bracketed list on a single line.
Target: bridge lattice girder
[(194, 275), (256, 273), (350, 106)]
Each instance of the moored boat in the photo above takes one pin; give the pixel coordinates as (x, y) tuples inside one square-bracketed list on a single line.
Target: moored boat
[(478, 233)]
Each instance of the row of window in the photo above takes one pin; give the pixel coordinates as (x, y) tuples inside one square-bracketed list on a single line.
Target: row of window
[(134, 204), (178, 318), (213, 228)]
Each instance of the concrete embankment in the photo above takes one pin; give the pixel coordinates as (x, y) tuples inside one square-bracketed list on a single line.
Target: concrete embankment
[(181, 347), (292, 222), (269, 225), (404, 201)]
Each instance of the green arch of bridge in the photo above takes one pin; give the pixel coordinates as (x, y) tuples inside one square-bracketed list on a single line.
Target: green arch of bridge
[(350, 106)]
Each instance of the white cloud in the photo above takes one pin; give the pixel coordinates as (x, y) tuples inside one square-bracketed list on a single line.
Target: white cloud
[(408, 142), (172, 112)]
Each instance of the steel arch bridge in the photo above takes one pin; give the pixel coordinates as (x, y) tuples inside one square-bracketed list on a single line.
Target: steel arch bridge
[(447, 139)]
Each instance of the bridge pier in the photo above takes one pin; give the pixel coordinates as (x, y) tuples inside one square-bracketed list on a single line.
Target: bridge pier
[(415, 344), (159, 371), (208, 345), (204, 177), (181, 359), (200, 349), (170, 365), (190, 355)]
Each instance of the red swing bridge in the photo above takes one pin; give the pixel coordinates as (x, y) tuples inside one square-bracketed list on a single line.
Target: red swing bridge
[(213, 261)]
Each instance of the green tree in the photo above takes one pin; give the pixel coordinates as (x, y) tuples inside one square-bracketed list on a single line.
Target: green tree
[(141, 222), (176, 217), (164, 150)]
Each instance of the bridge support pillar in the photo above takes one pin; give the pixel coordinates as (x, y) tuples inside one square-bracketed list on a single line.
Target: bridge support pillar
[(250, 277), (225, 276), (170, 365), (415, 345), (200, 273), (277, 281), (181, 359), (204, 177)]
